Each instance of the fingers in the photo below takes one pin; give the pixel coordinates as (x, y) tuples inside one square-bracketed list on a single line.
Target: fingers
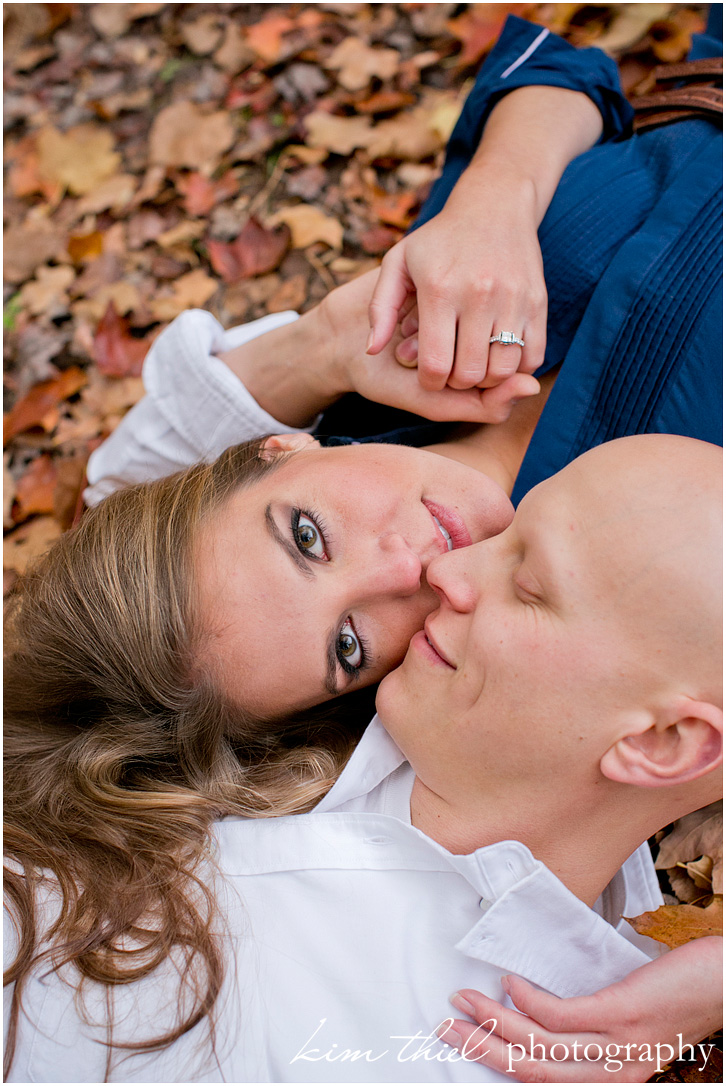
[(555, 1014), (391, 292), (436, 342)]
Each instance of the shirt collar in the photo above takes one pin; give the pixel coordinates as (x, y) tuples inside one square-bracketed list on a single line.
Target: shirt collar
[(374, 759)]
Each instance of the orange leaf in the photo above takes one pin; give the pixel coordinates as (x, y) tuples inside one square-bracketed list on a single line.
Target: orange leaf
[(255, 251), (39, 406), (85, 246), (36, 488), (675, 925), (115, 351), (201, 195), (480, 26), (378, 239), (265, 37), (396, 210)]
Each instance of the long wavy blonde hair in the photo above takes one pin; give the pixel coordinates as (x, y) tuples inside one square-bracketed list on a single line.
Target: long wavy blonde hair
[(119, 753)]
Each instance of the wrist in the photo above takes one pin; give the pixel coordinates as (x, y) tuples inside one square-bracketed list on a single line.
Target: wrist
[(493, 180)]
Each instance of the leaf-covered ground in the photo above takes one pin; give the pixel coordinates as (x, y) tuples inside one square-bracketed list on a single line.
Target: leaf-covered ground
[(244, 158)]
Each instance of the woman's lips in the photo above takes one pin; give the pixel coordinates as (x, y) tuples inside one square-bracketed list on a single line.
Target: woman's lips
[(423, 644), (452, 524)]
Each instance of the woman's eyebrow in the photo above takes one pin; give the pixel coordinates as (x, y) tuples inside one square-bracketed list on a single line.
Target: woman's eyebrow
[(287, 544)]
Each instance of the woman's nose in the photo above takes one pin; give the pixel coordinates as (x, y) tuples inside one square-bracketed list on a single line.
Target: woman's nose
[(450, 577), (395, 569)]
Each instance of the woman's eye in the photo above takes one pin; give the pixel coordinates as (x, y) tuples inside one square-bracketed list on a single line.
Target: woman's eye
[(350, 650), (308, 537)]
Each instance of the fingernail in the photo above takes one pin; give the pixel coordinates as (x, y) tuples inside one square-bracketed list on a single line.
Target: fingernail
[(409, 349), (462, 1004), (371, 337), (504, 981), (446, 1032)]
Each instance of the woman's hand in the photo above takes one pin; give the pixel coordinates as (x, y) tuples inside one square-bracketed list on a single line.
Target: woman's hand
[(475, 270), (655, 1012), (380, 378)]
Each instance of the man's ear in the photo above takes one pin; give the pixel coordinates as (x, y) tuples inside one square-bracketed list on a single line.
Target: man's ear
[(286, 443), (683, 742)]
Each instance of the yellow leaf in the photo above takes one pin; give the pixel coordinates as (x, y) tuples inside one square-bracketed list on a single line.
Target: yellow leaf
[(676, 925), (341, 135), (189, 292), (308, 224), (79, 159), (630, 24)]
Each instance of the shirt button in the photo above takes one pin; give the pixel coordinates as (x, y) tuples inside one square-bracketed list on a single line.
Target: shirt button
[(485, 904), (378, 840)]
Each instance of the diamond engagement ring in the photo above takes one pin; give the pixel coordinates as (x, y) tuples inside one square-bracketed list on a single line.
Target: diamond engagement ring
[(507, 338)]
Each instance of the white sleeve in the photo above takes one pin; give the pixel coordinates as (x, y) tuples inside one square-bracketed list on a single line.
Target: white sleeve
[(194, 407)]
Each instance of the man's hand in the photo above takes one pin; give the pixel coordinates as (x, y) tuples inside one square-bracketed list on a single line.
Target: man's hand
[(381, 379), (656, 1011), (473, 275)]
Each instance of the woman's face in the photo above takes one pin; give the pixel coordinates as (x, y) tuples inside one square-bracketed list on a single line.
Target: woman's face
[(312, 580)]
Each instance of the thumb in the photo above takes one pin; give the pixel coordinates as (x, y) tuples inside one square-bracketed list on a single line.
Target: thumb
[(392, 289)]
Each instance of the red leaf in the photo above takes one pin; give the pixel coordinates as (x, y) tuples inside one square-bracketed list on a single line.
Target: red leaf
[(36, 488), (255, 251), (378, 239), (480, 26), (115, 351), (39, 407), (201, 195)]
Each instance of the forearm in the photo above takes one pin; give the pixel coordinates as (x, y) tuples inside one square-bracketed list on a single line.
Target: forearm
[(529, 139), (289, 371)]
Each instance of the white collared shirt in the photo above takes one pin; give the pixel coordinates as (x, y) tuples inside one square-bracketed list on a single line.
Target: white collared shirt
[(348, 930)]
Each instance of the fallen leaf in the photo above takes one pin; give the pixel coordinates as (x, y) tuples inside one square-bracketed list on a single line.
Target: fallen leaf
[(35, 488), (357, 63), (110, 20), (671, 38), (308, 224), (28, 246), (480, 26), (695, 835), (255, 251), (184, 135), (70, 480), (47, 292), (341, 135), (123, 102), (265, 37), (234, 54), (379, 239), (309, 156), (418, 132), (630, 24), (203, 35), (115, 194), (189, 230), (201, 195), (79, 159), (29, 542), (39, 406), (115, 351), (385, 101), (396, 210), (85, 247), (291, 294), (676, 925), (191, 291)]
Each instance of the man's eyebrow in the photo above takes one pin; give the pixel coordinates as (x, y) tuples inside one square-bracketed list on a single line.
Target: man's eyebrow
[(287, 544), (331, 659)]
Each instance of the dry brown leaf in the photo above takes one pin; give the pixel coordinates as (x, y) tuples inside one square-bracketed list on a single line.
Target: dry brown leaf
[(191, 291), (630, 24), (384, 101), (418, 132), (115, 194), (186, 230), (39, 406), (36, 487), (676, 925), (110, 20), (47, 292), (79, 159), (308, 224), (234, 54), (28, 246), (29, 541), (201, 195), (671, 38), (480, 26), (341, 135), (184, 135), (695, 835), (395, 210), (357, 63), (203, 35), (291, 294), (8, 492), (255, 251)]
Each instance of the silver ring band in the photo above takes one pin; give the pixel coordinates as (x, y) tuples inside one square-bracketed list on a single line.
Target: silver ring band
[(507, 339)]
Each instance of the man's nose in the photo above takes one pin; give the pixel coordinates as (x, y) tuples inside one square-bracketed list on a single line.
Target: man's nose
[(450, 577), (394, 569)]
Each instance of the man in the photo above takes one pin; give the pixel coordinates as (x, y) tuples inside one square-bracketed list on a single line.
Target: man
[(561, 706)]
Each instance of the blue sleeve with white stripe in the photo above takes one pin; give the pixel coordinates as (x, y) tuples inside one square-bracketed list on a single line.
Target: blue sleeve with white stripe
[(529, 55)]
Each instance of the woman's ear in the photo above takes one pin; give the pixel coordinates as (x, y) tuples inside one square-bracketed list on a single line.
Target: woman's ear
[(286, 443), (683, 742)]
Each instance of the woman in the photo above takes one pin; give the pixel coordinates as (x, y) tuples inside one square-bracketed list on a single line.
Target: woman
[(186, 745)]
